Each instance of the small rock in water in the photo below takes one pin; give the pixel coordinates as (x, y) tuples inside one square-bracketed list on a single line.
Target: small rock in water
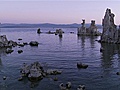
[(80, 65), (25, 43), (55, 79), (19, 39), (9, 51), (4, 77), (38, 31), (68, 85), (81, 87), (21, 44), (62, 87), (33, 43), (20, 79), (118, 73), (20, 51)]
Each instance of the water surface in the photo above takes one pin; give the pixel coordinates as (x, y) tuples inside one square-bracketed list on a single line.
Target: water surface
[(60, 53)]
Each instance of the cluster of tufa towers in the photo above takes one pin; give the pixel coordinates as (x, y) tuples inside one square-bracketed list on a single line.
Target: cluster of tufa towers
[(92, 30), (110, 33)]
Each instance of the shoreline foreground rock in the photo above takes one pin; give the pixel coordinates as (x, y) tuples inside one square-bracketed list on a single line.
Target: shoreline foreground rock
[(5, 43)]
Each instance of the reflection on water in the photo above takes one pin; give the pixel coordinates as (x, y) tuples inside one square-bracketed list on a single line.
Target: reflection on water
[(3, 51), (81, 39), (110, 57), (92, 40), (0, 62), (60, 39), (88, 39)]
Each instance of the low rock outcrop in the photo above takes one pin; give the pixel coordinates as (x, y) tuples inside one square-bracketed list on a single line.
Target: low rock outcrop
[(35, 72)]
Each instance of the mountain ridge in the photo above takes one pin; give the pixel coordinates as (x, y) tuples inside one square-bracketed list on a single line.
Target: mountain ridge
[(42, 25)]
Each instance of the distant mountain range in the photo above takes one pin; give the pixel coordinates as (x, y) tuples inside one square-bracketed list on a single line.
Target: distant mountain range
[(74, 25)]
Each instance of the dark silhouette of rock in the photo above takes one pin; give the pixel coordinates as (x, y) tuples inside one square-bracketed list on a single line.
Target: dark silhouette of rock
[(19, 39), (38, 31), (33, 43), (20, 51), (80, 65)]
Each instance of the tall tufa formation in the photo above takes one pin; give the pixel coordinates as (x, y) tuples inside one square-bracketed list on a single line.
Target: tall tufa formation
[(93, 28), (82, 29), (110, 33)]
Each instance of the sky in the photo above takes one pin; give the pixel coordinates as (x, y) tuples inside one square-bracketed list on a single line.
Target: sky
[(57, 11)]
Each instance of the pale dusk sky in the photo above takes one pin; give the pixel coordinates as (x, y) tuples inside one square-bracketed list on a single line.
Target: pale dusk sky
[(56, 11)]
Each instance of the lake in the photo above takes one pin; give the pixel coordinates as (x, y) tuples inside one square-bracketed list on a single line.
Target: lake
[(63, 54)]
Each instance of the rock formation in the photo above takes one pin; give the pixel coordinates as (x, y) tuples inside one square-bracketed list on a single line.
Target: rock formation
[(59, 32), (38, 31), (92, 30), (110, 32), (33, 43), (82, 29), (35, 71), (5, 43), (3, 40)]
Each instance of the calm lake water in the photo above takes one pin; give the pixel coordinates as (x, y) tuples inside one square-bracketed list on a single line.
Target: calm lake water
[(63, 54)]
